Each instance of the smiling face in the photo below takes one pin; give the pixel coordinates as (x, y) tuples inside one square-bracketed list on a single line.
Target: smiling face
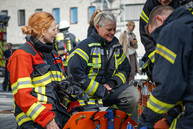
[(49, 34), (107, 31)]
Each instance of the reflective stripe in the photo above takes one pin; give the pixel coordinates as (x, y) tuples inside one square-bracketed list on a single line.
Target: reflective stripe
[(21, 118), (173, 125), (94, 65), (35, 110), (59, 38), (166, 53), (76, 39), (94, 44), (47, 78), (145, 65), (21, 83), (69, 46), (121, 76), (151, 56), (91, 101), (92, 87), (80, 53), (120, 60), (157, 105), (144, 16)]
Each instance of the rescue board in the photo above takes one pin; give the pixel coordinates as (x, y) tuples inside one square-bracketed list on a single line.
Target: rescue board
[(82, 120)]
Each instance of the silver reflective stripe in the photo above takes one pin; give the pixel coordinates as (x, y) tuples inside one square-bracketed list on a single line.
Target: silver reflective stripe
[(40, 81), (157, 106), (34, 110), (92, 87), (21, 83), (166, 53)]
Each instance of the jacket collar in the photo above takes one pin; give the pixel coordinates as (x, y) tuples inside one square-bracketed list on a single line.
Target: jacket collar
[(38, 45), (173, 16)]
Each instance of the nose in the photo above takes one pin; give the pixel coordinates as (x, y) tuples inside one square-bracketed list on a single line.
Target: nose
[(113, 31)]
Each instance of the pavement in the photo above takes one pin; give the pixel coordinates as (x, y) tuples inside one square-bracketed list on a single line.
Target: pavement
[(7, 118)]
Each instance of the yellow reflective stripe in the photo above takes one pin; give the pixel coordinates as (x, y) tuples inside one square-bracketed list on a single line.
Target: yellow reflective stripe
[(22, 118), (66, 102), (120, 60), (76, 39), (69, 47), (47, 78), (173, 125), (59, 38), (151, 56), (144, 16), (94, 65), (35, 110), (166, 53), (21, 83), (145, 65), (121, 76), (91, 101), (94, 44), (80, 53), (92, 87), (157, 105)]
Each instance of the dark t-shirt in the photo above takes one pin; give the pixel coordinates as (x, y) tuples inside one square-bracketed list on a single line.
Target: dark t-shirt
[(7, 54)]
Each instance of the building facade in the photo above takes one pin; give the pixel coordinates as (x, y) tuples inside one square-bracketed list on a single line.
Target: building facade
[(76, 12)]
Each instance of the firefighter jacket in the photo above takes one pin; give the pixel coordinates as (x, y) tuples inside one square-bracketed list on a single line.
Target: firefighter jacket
[(65, 44), (146, 40), (173, 69), (95, 62), (35, 69)]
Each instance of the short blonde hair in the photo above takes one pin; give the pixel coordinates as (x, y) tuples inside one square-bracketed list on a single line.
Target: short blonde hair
[(101, 17)]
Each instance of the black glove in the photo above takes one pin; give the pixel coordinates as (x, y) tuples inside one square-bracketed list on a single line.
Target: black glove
[(149, 70)]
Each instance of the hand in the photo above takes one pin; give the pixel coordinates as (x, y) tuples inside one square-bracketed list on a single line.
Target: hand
[(52, 125), (132, 40), (108, 87)]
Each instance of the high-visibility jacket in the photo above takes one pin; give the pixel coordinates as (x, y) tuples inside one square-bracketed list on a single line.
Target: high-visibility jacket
[(146, 40), (33, 75), (65, 44), (173, 70), (94, 62)]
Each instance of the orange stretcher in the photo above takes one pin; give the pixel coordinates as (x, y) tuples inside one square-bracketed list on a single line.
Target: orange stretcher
[(82, 120)]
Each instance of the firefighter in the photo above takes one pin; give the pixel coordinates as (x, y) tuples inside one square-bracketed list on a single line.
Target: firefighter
[(146, 40), (35, 69), (99, 63), (172, 73), (65, 41)]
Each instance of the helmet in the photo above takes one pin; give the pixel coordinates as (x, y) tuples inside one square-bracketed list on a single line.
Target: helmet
[(64, 25)]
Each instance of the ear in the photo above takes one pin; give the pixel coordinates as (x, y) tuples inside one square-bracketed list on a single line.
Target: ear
[(43, 31), (97, 27), (160, 19)]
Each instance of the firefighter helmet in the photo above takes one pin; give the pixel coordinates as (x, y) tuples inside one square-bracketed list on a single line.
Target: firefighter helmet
[(64, 25)]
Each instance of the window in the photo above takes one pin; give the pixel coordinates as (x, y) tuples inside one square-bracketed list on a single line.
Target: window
[(4, 12), (56, 14), (74, 15), (133, 12), (90, 12), (38, 10), (21, 17)]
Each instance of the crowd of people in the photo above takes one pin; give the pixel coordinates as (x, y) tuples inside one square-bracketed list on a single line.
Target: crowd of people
[(104, 66)]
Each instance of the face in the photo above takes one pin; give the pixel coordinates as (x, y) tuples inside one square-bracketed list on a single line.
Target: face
[(107, 31), (165, 2), (9, 46), (131, 27), (48, 35)]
